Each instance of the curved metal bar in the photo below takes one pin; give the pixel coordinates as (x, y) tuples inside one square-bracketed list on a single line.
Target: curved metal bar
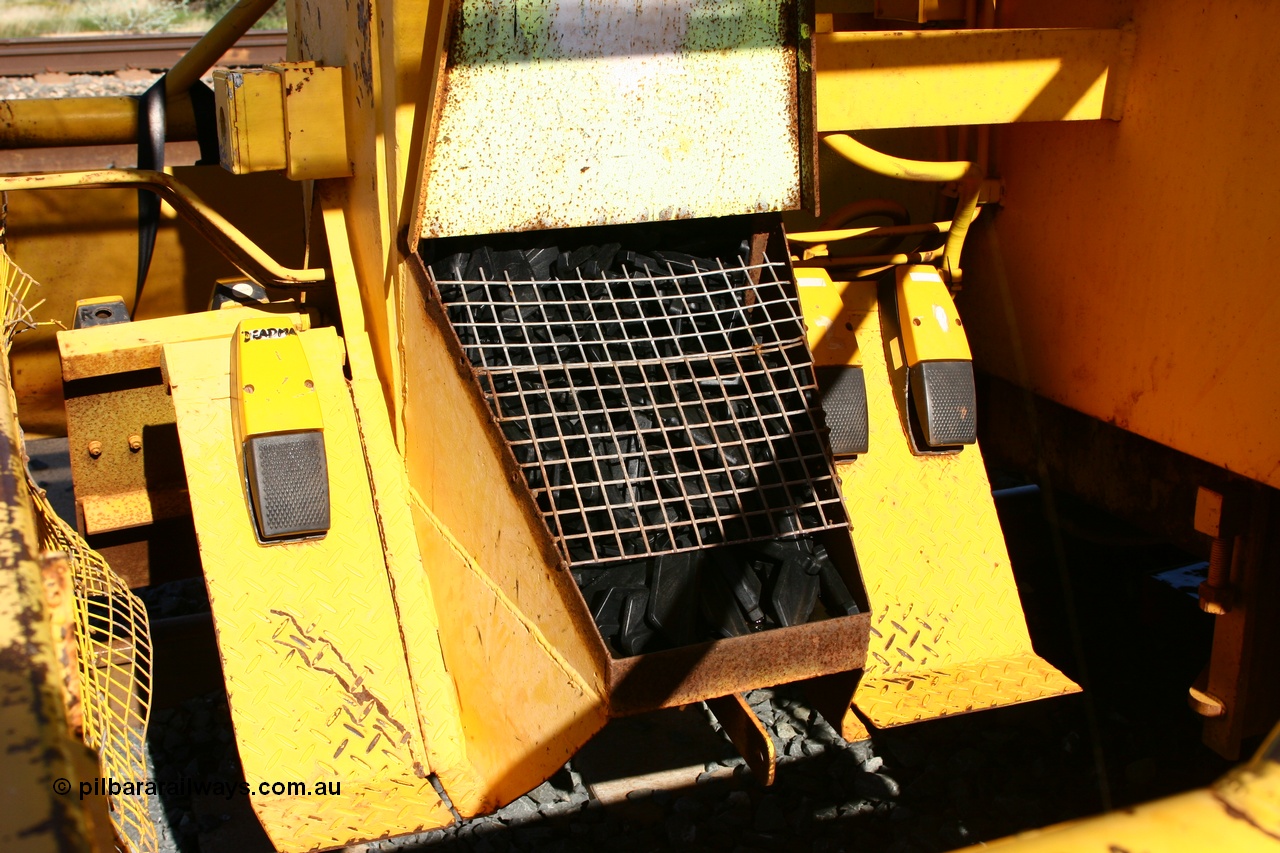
[(247, 256), (968, 175), (220, 38)]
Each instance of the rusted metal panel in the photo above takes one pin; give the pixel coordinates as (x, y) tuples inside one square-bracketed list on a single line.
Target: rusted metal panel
[(748, 734), (561, 114), (693, 673), (37, 747), (124, 453)]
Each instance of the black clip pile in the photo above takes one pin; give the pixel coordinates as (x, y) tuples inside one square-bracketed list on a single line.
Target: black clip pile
[(677, 599)]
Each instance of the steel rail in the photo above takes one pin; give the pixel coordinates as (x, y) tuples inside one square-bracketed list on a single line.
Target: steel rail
[(101, 54)]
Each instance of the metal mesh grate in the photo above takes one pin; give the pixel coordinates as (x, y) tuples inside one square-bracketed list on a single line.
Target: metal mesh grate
[(655, 410), (112, 631)]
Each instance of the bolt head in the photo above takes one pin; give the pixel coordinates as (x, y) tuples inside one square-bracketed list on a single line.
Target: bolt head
[(1216, 600)]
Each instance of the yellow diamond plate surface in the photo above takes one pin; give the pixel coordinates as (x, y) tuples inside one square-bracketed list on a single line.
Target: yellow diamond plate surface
[(312, 656), (434, 692), (971, 686), (947, 631)]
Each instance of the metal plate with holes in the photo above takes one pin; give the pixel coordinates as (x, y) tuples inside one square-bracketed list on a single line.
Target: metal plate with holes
[(654, 412)]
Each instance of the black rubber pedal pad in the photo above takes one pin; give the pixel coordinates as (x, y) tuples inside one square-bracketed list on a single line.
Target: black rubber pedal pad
[(844, 400), (945, 402), (288, 484)]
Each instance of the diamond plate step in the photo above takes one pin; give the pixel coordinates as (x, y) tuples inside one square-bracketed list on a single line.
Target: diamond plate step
[(947, 631), (311, 651)]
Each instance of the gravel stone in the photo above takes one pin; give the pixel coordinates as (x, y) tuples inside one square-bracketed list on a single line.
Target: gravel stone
[(546, 793), (769, 816), (518, 811), (876, 786), (680, 830)]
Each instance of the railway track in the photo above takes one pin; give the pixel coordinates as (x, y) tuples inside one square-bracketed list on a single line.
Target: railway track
[(103, 54)]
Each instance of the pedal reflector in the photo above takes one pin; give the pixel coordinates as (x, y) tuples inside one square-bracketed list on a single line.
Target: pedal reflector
[(844, 401), (288, 484)]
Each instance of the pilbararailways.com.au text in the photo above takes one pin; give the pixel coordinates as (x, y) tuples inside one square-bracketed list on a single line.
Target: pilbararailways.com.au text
[(186, 787)]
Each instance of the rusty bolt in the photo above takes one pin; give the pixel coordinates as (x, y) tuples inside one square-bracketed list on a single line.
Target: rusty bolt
[(95, 448), (135, 443), (1216, 594)]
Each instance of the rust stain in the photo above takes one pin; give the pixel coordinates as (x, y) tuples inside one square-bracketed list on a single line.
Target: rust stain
[(312, 650), (637, 74)]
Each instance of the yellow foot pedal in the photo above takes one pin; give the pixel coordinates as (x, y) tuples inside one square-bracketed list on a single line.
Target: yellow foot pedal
[(940, 365), (279, 431)]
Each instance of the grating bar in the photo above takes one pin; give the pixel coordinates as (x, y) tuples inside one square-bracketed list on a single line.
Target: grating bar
[(654, 411)]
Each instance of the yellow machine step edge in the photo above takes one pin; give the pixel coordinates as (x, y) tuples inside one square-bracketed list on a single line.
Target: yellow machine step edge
[(948, 635), (311, 650)]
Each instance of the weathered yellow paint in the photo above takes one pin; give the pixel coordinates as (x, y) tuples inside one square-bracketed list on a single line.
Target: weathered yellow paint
[(100, 350), (920, 11), (434, 692), (925, 78), (315, 131), (487, 554), (929, 322), (34, 739), (948, 635), (826, 303), (587, 113), (55, 122), (234, 245), (251, 130), (272, 388), (372, 41), (525, 709), (102, 225), (311, 648), (1111, 286)]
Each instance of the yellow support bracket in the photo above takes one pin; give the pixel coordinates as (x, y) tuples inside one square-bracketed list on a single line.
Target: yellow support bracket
[(926, 78)]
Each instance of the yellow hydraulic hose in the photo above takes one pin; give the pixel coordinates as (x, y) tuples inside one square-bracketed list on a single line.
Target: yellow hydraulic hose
[(968, 175)]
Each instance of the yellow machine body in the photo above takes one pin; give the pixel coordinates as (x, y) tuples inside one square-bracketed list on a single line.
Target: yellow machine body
[(431, 650), (1240, 813), (274, 391), (927, 316)]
